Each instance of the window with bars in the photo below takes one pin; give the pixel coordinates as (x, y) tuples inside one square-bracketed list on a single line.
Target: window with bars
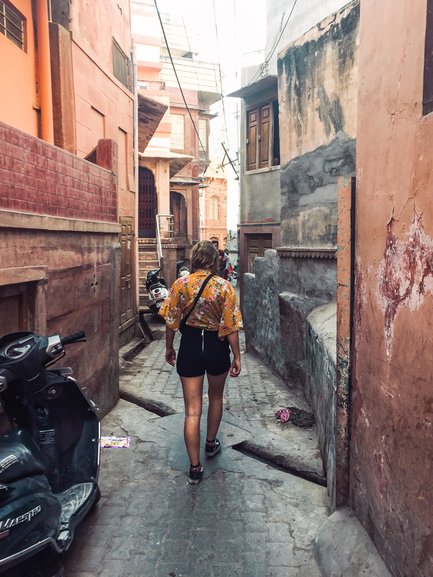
[(12, 24), (121, 65), (263, 140)]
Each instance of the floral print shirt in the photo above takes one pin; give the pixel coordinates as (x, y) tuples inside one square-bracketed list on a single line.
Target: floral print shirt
[(217, 309)]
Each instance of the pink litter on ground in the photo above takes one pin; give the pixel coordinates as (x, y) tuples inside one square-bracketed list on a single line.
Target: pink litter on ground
[(283, 415)]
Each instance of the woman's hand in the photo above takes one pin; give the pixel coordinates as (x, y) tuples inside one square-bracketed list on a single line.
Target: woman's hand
[(170, 356), (235, 368), (170, 353)]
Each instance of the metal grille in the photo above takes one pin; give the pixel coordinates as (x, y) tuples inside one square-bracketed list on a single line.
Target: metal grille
[(120, 65), (146, 204), (12, 24)]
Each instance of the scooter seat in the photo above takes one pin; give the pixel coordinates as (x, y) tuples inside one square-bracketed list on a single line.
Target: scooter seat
[(19, 456)]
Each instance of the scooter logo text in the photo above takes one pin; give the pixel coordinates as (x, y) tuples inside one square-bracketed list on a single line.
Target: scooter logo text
[(11, 522)]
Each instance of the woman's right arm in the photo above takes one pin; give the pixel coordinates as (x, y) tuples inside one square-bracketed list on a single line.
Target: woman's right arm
[(233, 339)]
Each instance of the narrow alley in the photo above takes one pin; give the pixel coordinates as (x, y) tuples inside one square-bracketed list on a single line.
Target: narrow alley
[(247, 518)]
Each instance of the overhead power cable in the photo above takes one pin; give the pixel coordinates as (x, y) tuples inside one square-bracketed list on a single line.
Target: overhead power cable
[(264, 65), (178, 81)]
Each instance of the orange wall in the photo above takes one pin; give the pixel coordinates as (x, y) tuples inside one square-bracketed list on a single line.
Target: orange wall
[(18, 77), (392, 424)]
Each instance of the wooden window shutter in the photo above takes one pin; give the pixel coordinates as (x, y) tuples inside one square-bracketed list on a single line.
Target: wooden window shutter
[(252, 135), (265, 131)]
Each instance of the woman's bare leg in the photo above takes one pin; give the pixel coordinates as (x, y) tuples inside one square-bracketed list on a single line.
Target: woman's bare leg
[(215, 410), (192, 395)]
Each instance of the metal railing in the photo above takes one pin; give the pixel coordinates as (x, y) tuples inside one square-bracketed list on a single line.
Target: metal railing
[(170, 225)]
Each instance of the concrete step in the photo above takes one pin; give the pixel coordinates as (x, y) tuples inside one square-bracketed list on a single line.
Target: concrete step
[(147, 241), (148, 264), (147, 254)]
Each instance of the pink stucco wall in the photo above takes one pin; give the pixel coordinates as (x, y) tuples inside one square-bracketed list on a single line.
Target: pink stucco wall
[(104, 107), (392, 423)]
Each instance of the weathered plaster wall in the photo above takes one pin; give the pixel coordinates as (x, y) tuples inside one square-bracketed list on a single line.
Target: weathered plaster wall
[(261, 200), (317, 93), (317, 84), (261, 311), (277, 300), (309, 193), (302, 16), (321, 384), (392, 428)]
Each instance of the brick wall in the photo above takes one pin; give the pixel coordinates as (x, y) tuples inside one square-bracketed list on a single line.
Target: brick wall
[(36, 177)]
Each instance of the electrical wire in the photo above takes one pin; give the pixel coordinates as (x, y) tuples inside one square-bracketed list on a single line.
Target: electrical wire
[(178, 81), (219, 70), (264, 65)]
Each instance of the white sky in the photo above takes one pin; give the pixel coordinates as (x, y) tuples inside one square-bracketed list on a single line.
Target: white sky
[(240, 29)]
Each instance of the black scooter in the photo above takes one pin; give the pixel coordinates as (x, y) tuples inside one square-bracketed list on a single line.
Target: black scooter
[(49, 460), (157, 292)]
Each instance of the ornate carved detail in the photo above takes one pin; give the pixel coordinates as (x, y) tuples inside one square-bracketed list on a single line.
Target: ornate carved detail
[(307, 252)]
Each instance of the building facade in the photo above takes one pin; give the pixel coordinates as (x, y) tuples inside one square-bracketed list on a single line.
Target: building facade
[(173, 163), (213, 207), (67, 179)]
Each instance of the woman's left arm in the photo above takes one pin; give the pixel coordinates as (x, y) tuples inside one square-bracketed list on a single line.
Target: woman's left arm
[(170, 353), (235, 368)]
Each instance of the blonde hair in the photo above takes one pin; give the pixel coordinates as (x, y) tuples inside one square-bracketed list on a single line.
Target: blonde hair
[(204, 255)]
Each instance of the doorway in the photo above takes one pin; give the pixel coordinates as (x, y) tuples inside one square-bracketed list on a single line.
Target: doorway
[(146, 204), (179, 212)]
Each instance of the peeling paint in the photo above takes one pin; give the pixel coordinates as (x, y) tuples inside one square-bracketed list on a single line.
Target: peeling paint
[(405, 274)]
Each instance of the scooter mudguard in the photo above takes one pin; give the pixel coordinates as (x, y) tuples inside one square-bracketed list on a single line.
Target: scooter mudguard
[(29, 512)]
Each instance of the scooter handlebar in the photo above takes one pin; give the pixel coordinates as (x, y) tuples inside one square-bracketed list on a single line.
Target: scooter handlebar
[(79, 337)]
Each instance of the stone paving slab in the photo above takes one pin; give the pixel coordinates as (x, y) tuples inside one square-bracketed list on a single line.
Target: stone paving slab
[(250, 402), (245, 519)]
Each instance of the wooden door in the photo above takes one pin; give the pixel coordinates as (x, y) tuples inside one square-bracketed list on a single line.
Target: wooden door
[(256, 246), (179, 212), (126, 268), (146, 204)]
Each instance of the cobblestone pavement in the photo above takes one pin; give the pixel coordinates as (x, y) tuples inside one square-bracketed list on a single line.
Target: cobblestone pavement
[(250, 402), (246, 518)]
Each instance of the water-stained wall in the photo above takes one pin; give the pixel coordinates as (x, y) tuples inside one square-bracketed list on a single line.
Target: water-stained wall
[(317, 97), (392, 423)]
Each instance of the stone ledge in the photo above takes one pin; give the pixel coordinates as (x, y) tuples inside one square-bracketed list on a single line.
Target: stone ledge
[(24, 220), (343, 548), (16, 275), (307, 252)]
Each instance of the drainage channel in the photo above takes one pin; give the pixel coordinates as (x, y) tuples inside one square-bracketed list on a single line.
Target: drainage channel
[(160, 409), (277, 462)]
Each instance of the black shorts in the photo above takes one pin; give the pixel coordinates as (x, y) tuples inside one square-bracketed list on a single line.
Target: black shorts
[(202, 351)]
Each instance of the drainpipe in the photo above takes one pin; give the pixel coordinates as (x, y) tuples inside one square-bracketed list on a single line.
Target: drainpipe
[(136, 172), (44, 71)]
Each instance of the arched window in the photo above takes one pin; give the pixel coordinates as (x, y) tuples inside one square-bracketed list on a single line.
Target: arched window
[(213, 208)]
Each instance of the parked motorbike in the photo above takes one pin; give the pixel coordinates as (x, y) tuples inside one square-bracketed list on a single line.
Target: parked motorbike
[(49, 460), (181, 269), (157, 292)]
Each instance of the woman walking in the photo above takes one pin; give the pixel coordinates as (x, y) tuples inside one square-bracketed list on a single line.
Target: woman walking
[(203, 306)]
